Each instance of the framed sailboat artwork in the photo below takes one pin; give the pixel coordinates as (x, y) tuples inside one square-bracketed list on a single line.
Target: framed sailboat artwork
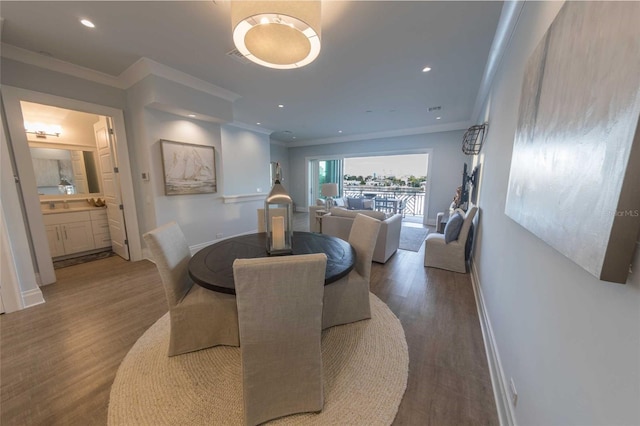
[(188, 168)]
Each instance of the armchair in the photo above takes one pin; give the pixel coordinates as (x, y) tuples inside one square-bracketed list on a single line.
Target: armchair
[(451, 256)]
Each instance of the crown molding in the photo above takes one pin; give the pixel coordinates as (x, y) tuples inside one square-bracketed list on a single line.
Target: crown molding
[(57, 65), (446, 127), (140, 69), (145, 66), (509, 17)]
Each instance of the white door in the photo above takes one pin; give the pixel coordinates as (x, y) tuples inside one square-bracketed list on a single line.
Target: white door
[(111, 187)]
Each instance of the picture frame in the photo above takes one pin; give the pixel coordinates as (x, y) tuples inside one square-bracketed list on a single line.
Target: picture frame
[(188, 168)]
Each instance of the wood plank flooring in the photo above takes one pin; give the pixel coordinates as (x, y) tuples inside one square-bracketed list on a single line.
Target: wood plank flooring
[(59, 359)]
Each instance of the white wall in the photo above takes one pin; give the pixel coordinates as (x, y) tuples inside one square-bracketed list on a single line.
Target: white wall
[(447, 162), (242, 164), (246, 161), (570, 342)]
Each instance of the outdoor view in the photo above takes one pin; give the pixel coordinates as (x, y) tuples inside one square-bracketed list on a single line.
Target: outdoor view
[(400, 177), (408, 171)]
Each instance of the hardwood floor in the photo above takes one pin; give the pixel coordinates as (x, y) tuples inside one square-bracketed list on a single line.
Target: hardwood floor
[(58, 359)]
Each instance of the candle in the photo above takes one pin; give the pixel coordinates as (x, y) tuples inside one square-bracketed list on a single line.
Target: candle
[(277, 232)]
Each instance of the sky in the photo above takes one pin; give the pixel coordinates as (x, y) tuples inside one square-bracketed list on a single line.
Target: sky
[(397, 165)]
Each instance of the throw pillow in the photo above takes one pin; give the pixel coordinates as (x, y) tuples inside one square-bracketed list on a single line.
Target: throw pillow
[(338, 202), (355, 203), (367, 204), (452, 228)]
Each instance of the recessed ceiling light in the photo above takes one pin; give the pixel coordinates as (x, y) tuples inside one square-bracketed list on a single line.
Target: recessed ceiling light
[(258, 124), (87, 23), (280, 106), (192, 115), (426, 69), (339, 131), (293, 137), (438, 118)]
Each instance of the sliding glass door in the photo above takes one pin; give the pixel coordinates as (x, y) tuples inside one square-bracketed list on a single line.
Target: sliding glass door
[(323, 171)]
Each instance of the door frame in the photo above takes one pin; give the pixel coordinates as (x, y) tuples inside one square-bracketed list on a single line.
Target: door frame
[(428, 151), (18, 139)]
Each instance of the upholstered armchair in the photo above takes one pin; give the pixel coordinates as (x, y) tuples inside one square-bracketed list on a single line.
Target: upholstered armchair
[(450, 256)]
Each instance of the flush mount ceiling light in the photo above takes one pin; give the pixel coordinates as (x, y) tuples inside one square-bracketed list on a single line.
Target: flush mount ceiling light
[(277, 34)]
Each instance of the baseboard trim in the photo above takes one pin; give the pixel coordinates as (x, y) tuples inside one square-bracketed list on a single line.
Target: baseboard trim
[(32, 298), (499, 383)]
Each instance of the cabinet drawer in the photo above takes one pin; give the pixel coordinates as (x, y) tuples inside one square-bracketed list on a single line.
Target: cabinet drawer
[(98, 214), (100, 226), (60, 218), (102, 240)]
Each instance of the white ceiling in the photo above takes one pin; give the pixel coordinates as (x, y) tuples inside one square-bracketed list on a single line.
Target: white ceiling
[(368, 78)]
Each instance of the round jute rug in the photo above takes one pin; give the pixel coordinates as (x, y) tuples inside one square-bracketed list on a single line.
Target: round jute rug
[(365, 366)]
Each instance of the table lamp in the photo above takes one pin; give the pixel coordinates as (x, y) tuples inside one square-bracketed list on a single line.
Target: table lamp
[(329, 190)]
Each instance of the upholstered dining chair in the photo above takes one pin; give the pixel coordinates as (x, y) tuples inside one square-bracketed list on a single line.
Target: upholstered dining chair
[(280, 318), (439, 253), (347, 300), (199, 318), (272, 212)]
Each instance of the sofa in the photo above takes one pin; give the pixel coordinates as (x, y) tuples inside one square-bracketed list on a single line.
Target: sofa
[(338, 223)]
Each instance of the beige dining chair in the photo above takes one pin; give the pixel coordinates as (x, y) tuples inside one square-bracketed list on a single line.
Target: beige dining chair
[(272, 212), (347, 300), (199, 318), (280, 318)]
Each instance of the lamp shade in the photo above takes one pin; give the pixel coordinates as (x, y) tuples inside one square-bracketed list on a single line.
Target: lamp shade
[(329, 190), (277, 34)]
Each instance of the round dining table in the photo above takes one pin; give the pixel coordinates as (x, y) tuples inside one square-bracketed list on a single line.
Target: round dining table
[(212, 267)]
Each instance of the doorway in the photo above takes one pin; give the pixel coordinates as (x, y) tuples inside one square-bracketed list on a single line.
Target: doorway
[(321, 172), (15, 101), (402, 175)]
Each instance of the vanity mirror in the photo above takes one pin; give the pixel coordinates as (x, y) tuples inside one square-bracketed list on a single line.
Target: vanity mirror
[(65, 172)]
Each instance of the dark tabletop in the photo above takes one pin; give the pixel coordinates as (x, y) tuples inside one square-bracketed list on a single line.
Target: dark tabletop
[(212, 267)]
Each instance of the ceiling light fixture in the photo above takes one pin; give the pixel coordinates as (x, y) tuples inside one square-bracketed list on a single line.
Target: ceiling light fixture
[(426, 69), (87, 23), (280, 106), (277, 34)]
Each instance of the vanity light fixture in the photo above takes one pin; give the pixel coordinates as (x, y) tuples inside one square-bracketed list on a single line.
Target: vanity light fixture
[(42, 130), (277, 34)]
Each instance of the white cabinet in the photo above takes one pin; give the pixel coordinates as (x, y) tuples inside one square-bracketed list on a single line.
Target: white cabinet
[(100, 228), (55, 240), (69, 233)]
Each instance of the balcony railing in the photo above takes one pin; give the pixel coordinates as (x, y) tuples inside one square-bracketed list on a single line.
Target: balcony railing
[(411, 199)]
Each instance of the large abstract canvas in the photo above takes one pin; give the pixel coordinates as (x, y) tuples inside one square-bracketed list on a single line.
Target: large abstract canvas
[(575, 180)]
